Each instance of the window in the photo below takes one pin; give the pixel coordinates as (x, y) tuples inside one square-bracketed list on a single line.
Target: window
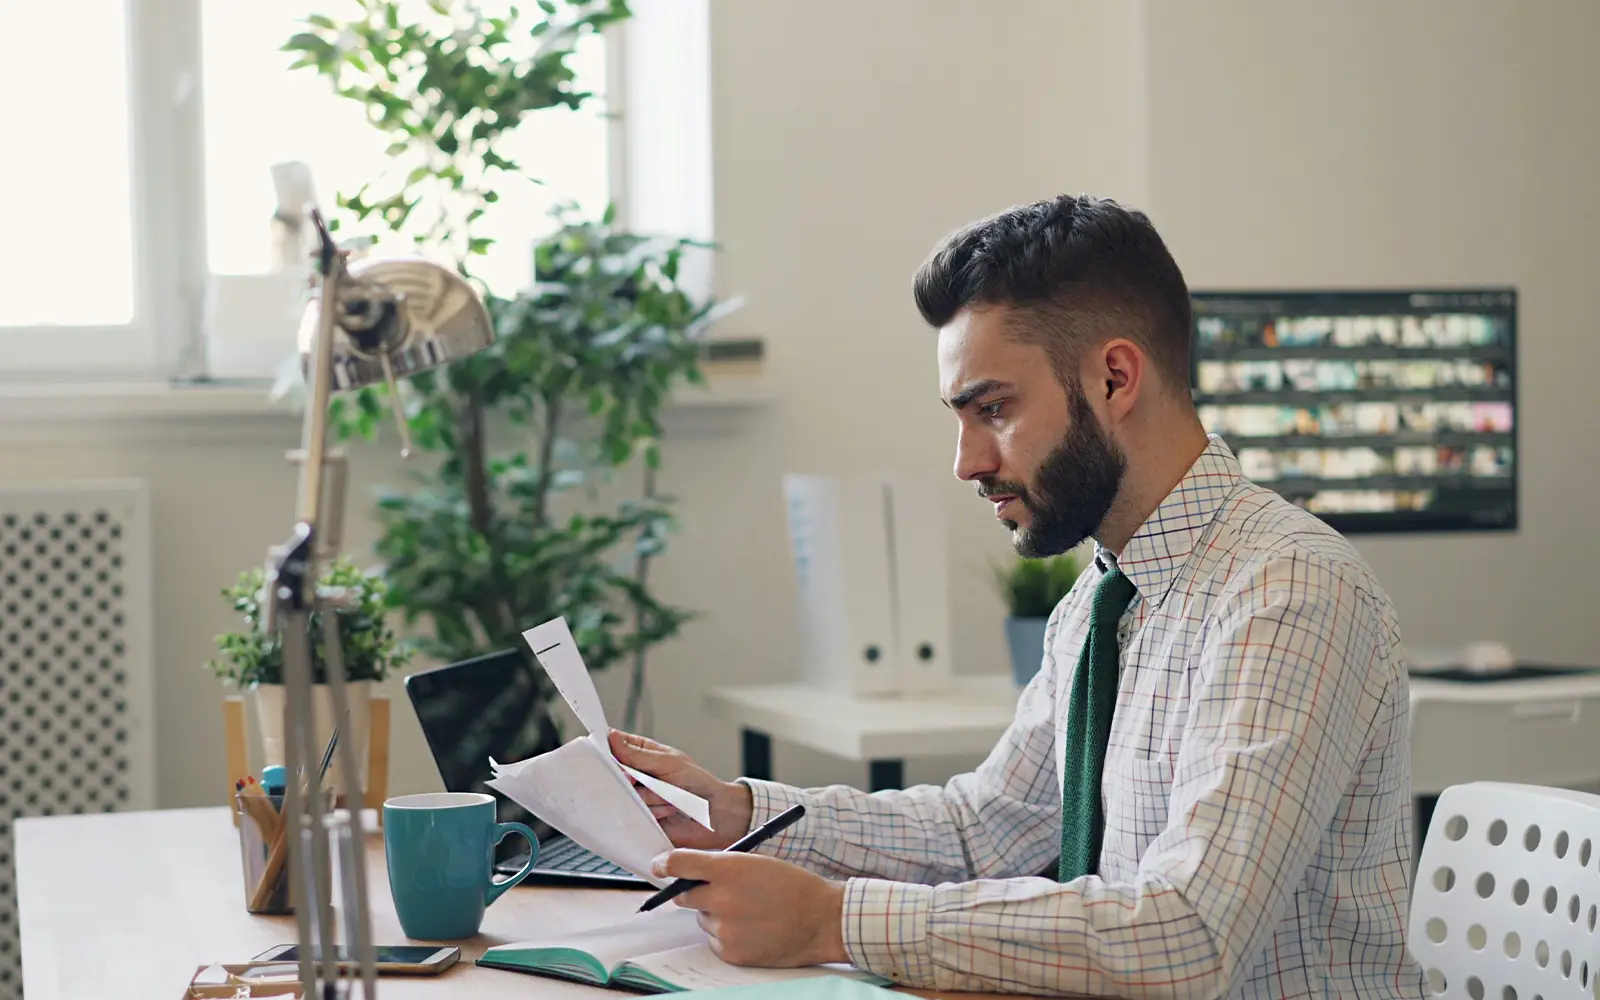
[(70, 211), (101, 268), (258, 112), (79, 211)]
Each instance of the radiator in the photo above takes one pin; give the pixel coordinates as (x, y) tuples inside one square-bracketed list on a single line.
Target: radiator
[(76, 684)]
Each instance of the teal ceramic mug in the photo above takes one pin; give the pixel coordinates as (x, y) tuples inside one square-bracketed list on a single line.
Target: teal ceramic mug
[(440, 849)]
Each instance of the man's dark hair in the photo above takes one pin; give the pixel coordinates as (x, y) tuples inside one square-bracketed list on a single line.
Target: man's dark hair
[(1077, 271)]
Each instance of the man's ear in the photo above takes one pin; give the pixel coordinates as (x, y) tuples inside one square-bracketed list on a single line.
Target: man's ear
[(1123, 367)]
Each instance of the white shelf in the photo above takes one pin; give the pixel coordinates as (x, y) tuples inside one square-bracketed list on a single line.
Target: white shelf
[(725, 391), (55, 404), (102, 401)]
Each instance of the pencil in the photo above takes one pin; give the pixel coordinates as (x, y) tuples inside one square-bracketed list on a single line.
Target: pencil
[(744, 845), (279, 855), (253, 800), (262, 814)]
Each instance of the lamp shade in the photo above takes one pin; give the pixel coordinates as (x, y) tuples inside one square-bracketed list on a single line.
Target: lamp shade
[(417, 313)]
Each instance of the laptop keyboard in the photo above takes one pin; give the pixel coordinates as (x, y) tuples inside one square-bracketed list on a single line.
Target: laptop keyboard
[(564, 855)]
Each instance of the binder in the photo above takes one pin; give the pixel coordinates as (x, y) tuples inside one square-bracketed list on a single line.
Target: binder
[(838, 534), (918, 531), (870, 560)]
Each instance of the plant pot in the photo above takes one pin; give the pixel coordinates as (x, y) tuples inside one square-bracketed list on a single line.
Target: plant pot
[(268, 700), (1025, 637)]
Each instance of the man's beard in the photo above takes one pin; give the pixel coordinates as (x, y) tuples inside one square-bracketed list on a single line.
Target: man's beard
[(1073, 490)]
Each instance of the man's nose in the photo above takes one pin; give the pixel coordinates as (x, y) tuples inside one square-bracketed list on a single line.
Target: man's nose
[(976, 456)]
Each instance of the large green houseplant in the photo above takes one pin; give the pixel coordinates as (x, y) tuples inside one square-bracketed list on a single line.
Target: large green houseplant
[(491, 538)]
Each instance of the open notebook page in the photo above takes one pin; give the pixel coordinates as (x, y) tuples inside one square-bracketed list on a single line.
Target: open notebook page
[(665, 930), (696, 967)]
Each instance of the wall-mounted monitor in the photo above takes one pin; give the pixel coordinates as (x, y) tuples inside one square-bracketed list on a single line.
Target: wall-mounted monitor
[(1374, 410)]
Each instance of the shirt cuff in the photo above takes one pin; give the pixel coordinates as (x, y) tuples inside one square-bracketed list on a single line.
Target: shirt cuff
[(768, 799), (886, 930)]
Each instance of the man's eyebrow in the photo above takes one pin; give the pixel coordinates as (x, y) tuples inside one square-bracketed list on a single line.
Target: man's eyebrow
[(973, 390)]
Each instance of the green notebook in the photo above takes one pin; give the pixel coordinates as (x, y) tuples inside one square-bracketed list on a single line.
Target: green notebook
[(663, 951)]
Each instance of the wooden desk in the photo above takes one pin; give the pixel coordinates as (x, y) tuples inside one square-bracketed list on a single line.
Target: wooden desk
[(969, 718), (129, 904)]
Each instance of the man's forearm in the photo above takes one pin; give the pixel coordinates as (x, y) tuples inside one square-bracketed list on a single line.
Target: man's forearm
[(830, 840), (1034, 936), (925, 834)]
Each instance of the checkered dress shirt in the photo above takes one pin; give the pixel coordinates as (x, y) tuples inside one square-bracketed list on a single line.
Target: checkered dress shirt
[(1256, 788)]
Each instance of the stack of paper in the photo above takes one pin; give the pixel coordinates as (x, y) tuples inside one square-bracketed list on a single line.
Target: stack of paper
[(580, 788)]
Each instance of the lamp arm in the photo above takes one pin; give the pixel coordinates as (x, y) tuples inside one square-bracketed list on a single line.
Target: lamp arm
[(294, 597), (372, 321), (319, 377)]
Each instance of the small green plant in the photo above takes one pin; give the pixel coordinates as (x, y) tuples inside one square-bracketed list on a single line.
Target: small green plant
[(1033, 587), (371, 649)]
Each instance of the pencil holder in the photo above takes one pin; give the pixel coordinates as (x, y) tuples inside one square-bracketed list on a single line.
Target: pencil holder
[(264, 853)]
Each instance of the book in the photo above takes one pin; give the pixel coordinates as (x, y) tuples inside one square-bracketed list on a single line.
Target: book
[(663, 951)]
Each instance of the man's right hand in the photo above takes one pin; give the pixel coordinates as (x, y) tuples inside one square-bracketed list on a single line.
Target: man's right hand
[(731, 806)]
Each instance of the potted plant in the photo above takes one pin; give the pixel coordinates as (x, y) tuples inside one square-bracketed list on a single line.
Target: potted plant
[(1032, 588), (502, 527), (251, 660)]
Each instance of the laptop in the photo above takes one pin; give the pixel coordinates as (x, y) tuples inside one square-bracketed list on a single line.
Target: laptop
[(489, 707)]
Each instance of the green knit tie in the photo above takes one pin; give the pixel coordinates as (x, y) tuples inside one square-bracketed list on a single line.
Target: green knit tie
[(1094, 698)]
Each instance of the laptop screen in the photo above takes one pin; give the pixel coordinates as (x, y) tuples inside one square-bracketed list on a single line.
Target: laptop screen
[(490, 706)]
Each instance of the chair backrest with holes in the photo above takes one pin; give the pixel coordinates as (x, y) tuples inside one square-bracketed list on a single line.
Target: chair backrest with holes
[(1507, 894)]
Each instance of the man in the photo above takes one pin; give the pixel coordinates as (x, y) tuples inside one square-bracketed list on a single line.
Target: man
[(1211, 767)]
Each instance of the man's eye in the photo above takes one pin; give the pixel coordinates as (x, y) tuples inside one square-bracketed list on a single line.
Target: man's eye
[(990, 410)]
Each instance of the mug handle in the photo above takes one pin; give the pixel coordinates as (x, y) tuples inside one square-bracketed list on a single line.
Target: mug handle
[(501, 831)]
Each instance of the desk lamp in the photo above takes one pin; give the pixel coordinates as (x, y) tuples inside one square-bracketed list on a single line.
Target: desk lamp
[(371, 321)]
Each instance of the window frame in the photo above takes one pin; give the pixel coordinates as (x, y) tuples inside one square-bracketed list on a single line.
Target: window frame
[(165, 339), (159, 332)]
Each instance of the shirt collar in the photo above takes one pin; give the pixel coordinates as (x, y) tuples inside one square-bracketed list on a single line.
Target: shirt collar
[(1164, 541)]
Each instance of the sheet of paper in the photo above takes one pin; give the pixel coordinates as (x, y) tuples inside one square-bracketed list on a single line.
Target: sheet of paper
[(579, 789), (557, 653), (688, 803)]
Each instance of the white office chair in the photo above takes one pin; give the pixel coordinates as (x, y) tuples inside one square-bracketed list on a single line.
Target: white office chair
[(1508, 892)]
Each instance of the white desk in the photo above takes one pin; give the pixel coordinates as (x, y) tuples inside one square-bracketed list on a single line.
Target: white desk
[(883, 730), (1539, 730), (128, 904)]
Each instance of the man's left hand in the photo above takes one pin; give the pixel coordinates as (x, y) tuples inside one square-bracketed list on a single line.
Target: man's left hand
[(761, 911)]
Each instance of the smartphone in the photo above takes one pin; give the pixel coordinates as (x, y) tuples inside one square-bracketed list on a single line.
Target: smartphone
[(393, 960)]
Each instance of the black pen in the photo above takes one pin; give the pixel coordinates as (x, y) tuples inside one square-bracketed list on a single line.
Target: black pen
[(744, 845)]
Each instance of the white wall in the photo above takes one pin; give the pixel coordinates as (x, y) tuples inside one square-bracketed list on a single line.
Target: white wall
[(1368, 143), (1319, 143)]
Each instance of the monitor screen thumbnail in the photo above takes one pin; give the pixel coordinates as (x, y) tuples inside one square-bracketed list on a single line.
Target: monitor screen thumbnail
[(1377, 411)]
